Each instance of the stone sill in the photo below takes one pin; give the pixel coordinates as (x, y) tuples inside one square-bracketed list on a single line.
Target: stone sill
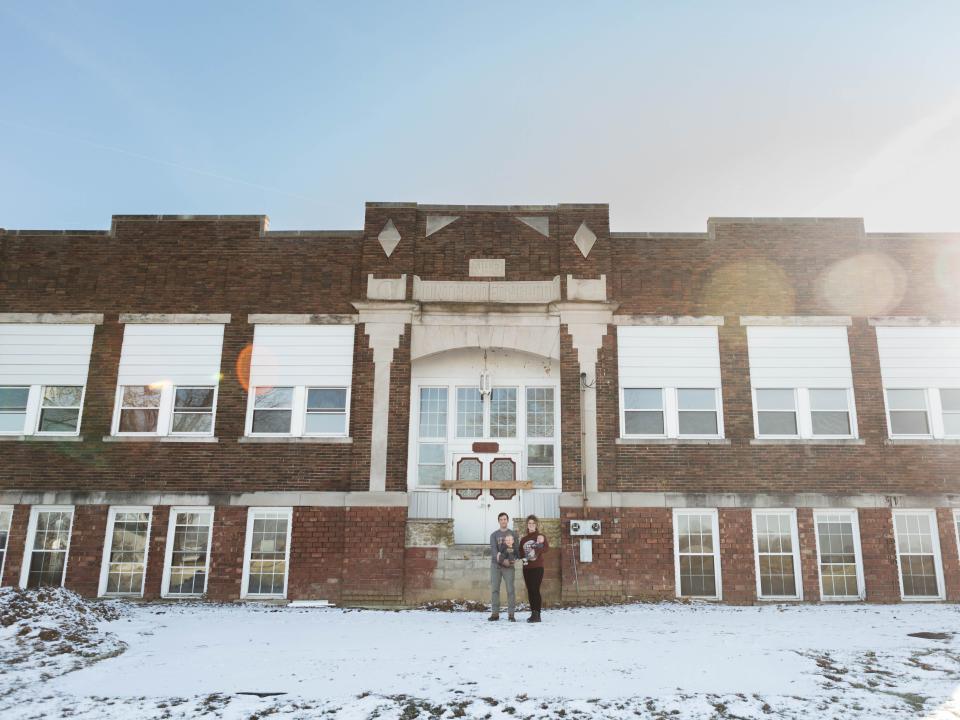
[(807, 441), (295, 440), (922, 441), (672, 441), (159, 439), (41, 438)]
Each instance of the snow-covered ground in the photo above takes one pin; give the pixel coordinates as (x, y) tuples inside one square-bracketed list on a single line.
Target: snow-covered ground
[(639, 661)]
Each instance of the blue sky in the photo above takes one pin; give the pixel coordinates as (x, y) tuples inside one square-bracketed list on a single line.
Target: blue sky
[(670, 112)]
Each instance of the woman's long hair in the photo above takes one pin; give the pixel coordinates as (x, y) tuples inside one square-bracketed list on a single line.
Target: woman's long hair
[(536, 522)]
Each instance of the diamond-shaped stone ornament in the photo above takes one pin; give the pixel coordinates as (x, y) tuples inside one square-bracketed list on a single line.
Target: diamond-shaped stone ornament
[(584, 239), (389, 238)]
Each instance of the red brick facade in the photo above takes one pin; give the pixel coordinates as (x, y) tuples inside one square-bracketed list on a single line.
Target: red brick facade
[(357, 554)]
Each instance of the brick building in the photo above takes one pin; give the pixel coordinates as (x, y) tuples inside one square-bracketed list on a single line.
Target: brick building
[(196, 405)]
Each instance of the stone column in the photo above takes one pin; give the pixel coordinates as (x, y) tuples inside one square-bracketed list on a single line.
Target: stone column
[(384, 324), (587, 323)]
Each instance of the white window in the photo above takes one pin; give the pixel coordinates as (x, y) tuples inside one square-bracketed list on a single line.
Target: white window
[(669, 382), (503, 412), (47, 547), (541, 434), (125, 551), (696, 542), (920, 367), (802, 382), (266, 556), (6, 517), (838, 555), (187, 561), (469, 412), (13, 409), (43, 372), (777, 552), (168, 379), (300, 378), (918, 554), (326, 411), (432, 447)]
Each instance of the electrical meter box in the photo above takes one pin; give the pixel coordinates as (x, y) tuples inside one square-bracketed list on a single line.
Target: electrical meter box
[(585, 527)]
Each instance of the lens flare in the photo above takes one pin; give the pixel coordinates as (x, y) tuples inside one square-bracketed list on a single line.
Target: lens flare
[(243, 367), (746, 285), (863, 284)]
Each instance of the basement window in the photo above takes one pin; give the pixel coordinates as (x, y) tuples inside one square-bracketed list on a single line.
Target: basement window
[(125, 553), (918, 554), (777, 555), (48, 543), (267, 553), (187, 561), (697, 553), (838, 554)]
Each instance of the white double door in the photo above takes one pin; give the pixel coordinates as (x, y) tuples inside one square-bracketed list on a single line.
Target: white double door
[(475, 510)]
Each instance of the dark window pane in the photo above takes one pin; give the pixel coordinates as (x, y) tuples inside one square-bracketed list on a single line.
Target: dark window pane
[(830, 423), (698, 423), (200, 398), (13, 398), (904, 422), (643, 422), (58, 420), (777, 423), (192, 422), (271, 421), (327, 399), (138, 420)]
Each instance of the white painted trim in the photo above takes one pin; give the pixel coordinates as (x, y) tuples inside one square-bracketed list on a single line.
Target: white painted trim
[(272, 499), (168, 553), (937, 558), (108, 549), (164, 431), (912, 321), (853, 516), (248, 544), (712, 512), (53, 318), (302, 319), (956, 531), (751, 500), (928, 397), (794, 539), (795, 320), (716, 320), (671, 417), (6, 548), (178, 318), (31, 538)]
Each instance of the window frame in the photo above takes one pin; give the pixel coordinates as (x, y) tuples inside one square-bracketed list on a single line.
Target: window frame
[(165, 410), (248, 545), (937, 555), (40, 409), (942, 412), (804, 414), (213, 410), (715, 523), (955, 515), (671, 414), (431, 439), (529, 440), (31, 403), (6, 547), (108, 549), (854, 518), (345, 413), (168, 551), (928, 409), (298, 412), (795, 542), (31, 538)]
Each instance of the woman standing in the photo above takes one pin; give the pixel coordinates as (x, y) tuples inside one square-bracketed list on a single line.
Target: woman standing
[(532, 547)]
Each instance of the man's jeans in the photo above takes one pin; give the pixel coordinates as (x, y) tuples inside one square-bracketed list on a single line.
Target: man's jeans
[(508, 575)]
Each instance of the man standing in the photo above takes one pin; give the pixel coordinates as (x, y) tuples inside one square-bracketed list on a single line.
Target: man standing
[(501, 567)]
